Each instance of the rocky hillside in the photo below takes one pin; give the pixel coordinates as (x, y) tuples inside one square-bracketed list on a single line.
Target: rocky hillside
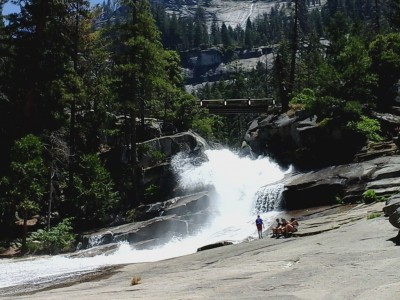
[(232, 13)]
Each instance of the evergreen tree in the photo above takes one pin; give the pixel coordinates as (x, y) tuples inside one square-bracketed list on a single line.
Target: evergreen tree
[(141, 72), (215, 35), (311, 59), (281, 75), (96, 201), (249, 35), (225, 38), (25, 186), (385, 54), (39, 35)]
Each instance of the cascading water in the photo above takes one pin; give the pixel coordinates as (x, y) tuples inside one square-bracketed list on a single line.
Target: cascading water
[(241, 194)]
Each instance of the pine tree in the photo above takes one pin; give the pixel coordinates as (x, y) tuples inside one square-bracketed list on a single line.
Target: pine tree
[(139, 70), (215, 36), (225, 38), (281, 74), (249, 34), (26, 183)]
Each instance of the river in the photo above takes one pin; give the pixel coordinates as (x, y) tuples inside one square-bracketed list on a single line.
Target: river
[(238, 182)]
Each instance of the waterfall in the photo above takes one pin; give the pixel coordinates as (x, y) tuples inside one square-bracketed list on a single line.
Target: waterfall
[(243, 187), (268, 198)]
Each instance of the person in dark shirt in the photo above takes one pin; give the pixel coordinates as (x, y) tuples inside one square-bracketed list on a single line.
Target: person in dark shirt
[(260, 226), (275, 230)]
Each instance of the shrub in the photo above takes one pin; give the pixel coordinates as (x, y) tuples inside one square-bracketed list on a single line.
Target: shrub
[(204, 127), (135, 280), (131, 215), (367, 127), (143, 149), (58, 239), (369, 196), (151, 192), (157, 155), (339, 200), (353, 110), (373, 215), (322, 106), (305, 97)]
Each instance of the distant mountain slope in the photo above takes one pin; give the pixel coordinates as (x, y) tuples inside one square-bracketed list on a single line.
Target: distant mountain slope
[(230, 12)]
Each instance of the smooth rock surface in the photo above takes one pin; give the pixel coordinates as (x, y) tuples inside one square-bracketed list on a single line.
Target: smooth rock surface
[(342, 255)]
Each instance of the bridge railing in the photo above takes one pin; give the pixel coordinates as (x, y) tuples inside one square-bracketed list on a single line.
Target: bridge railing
[(239, 106), (238, 102)]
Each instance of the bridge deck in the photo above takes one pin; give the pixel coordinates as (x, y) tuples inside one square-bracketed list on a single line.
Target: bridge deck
[(239, 106)]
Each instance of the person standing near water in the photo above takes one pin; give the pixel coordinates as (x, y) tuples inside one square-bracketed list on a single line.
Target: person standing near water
[(260, 226)]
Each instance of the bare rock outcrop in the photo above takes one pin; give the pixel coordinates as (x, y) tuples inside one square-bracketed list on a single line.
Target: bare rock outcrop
[(161, 221), (342, 183), (298, 138), (392, 210)]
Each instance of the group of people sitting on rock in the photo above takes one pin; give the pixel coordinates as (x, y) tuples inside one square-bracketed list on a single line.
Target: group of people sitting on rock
[(285, 228)]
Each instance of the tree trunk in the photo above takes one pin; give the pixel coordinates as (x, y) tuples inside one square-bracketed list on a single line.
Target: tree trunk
[(25, 232), (133, 162), (50, 197)]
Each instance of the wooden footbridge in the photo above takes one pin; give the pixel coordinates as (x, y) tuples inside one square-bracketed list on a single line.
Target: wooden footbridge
[(240, 106)]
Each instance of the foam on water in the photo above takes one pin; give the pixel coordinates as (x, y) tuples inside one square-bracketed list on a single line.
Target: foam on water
[(236, 181)]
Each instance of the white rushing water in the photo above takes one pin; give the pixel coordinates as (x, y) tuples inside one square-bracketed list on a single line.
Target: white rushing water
[(237, 182)]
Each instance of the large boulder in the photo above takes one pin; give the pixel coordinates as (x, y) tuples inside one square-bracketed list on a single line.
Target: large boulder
[(392, 210), (344, 183), (160, 222), (298, 139), (154, 158), (392, 204), (151, 152)]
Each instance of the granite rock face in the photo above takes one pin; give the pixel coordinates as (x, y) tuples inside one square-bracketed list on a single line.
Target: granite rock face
[(342, 183), (392, 210), (161, 221), (298, 139)]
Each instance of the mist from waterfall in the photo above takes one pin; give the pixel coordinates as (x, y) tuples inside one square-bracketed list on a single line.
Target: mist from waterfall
[(240, 194)]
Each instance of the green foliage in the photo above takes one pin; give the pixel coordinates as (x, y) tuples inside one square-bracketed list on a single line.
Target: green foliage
[(143, 149), (25, 186), (356, 79), (384, 51), (325, 122), (339, 199), (157, 155), (367, 127), (204, 127), (130, 215), (96, 199), (151, 192), (146, 150), (306, 97), (58, 239), (350, 113), (370, 196), (353, 110), (322, 106), (373, 215)]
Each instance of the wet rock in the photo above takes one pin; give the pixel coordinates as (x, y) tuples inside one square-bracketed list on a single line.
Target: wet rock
[(215, 245), (176, 217)]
